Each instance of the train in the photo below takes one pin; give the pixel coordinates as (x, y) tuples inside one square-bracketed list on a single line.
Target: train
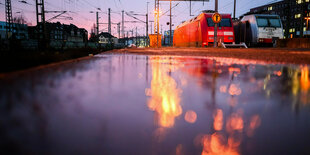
[(199, 31), (258, 29)]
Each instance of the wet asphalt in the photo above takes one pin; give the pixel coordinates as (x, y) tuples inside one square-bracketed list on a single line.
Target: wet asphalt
[(125, 103)]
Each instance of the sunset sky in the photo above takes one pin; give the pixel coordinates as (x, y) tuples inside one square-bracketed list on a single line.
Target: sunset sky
[(82, 11)]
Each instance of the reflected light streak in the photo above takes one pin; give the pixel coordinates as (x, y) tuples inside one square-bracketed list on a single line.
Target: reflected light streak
[(179, 150), (278, 73), (190, 116), (305, 84), (234, 123), (295, 83), (235, 90), (254, 124), (216, 144), (232, 69), (165, 96), (223, 89), (218, 120), (220, 144), (304, 79)]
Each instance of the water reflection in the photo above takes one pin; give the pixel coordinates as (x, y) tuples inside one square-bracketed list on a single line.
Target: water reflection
[(190, 116), (164, 92), (228, 141), (232, 128), (218, 120), (194, 106)]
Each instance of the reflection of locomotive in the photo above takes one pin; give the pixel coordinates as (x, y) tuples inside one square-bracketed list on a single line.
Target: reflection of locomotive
[(258, 29), (199, 31)]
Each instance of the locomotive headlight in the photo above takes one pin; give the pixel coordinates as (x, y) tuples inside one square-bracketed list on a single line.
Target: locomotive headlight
[(230, 38), (228, 33), (210, 38), (211, 33)]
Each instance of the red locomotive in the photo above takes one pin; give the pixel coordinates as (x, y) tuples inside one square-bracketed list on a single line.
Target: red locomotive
[(199, 31)]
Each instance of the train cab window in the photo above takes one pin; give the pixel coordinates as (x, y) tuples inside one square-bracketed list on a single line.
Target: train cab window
[(226, 22), (268, 21), (275, 22), (210, 22), (262, 22)]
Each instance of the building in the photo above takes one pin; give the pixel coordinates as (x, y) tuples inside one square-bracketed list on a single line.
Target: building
[(107, 38), (20, 31), (295, 16), (61, 32)]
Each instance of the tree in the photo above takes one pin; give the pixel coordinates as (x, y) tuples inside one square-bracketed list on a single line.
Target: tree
[(19, 20)]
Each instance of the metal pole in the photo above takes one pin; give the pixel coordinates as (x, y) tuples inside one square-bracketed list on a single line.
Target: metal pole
[(136, 36), (170, 33), (157, 23), (147, 19), (9, 18), (190, 8), (97, 20), (109, 24), (215, 26), (151, 27), (147, 29), (147, 24), (123, 26), (42, 35), (235, 3), (155, 17), (119, 30)]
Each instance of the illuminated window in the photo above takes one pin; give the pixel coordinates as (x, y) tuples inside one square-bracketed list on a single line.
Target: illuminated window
[(305, 29), (299, 1), (307, 1), (292, 30), (270, 8), (297, 15)]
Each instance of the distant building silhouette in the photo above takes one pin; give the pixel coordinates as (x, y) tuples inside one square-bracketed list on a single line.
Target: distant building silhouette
[(20, 31), (61, 32)]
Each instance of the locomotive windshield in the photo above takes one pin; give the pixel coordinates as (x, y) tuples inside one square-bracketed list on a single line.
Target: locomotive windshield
[(226, 22), (268, 21)]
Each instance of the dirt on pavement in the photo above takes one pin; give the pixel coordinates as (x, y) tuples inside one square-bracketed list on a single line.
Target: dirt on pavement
[(270, 55)]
